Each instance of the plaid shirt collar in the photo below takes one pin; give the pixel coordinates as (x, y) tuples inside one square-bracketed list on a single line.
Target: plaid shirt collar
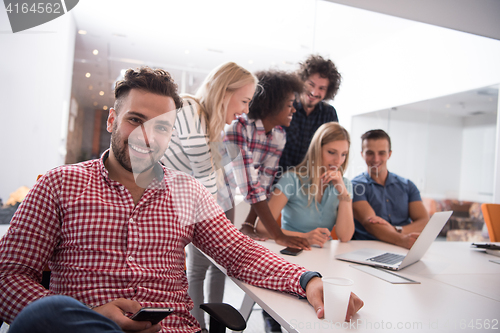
[(259, 126), (162, 177)]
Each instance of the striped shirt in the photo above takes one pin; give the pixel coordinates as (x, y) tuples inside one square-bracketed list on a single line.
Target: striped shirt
[(260, 153), (189, 149), (100, 246)]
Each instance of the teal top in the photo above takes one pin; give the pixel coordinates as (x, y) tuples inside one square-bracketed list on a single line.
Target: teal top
[(297, 215)]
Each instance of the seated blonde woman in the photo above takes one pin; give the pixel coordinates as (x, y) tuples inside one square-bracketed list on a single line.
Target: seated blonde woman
[(314, 197)]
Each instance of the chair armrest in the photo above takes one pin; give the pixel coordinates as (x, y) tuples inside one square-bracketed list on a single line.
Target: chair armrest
[(226, 315)]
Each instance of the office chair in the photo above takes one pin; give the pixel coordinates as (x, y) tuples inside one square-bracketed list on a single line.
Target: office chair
[(491, 214)]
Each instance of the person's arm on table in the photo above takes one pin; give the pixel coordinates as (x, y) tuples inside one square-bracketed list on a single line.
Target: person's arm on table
[(314, 292), (344, 226), (248, 261), (419, 217), (264, 213), (379, 227), (276, 203)]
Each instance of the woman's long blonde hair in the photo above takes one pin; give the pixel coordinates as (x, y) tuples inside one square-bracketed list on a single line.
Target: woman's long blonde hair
[(310, 169), (220, 84)]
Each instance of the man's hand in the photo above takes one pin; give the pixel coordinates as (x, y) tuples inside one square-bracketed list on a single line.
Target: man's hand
[(292, 241), (116, 311), (407, 240), (250, 232), (314, 293), (318, 236)]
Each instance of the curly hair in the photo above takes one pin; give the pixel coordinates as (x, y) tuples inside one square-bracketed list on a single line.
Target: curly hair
[(156, 81), (325, 68), (274, 89)]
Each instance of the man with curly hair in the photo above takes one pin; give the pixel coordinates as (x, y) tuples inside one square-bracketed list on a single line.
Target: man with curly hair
[(321, 81)]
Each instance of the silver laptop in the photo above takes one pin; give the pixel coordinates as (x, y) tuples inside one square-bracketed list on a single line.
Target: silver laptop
[(395, 261)]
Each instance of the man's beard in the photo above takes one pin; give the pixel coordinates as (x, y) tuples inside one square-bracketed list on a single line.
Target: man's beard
[(120, 150)]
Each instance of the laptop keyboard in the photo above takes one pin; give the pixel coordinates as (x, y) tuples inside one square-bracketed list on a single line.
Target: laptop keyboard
[(388, 258)]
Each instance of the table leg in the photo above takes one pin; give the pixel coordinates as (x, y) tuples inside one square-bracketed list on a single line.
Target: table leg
[(246, 307)]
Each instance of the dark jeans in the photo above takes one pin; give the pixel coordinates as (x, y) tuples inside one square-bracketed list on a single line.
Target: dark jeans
[(61, 314)]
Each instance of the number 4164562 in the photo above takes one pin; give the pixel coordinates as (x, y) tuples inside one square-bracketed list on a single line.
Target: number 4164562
[(39, 8)]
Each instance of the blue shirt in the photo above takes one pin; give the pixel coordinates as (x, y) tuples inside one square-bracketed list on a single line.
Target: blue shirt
[(390, 202), (301, 131), (297, 215)]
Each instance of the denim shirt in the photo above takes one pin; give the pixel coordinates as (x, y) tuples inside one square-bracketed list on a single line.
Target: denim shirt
[(390, 201)]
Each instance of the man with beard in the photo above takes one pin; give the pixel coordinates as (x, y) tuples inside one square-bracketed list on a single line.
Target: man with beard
[(322, 81), (113, 232)]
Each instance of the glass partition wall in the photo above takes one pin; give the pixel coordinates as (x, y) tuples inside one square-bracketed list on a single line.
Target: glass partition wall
[(446, 146)]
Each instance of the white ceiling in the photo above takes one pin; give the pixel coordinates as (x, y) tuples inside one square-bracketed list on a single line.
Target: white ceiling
[(188, 38)]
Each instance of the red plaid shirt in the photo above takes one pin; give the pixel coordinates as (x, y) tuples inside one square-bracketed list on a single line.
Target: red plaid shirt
[(260, 151), (100, 246)]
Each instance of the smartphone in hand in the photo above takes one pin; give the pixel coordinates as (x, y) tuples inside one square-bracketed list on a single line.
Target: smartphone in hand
[(291, 251), (153, 315)]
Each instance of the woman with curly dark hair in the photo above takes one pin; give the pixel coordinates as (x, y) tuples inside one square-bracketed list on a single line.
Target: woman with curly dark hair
[(260, 139)]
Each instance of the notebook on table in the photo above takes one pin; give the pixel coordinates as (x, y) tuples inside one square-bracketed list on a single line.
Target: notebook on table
[(394, 261)]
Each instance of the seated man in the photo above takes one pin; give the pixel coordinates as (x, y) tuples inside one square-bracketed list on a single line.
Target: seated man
[(386, 206), (113, 232)]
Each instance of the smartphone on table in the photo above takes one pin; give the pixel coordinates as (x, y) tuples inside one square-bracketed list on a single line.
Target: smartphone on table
[(153, 315), (291, 251)]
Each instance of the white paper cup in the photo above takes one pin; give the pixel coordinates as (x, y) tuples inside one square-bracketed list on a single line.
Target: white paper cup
[(336, 294)]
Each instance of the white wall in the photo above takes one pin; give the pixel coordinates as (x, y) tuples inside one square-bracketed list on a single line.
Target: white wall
[(426, 148), (36, 70), (393, 61), (478, 158)]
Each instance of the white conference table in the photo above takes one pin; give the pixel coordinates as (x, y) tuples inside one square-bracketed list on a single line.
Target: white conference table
[(459, 291)]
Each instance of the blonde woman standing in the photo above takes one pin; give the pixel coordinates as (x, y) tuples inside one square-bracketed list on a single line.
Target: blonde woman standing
[(195, 148)]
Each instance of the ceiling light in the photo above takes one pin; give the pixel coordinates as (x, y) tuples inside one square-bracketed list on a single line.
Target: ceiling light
[(90, 87), (448, 106), (95, 52), (87, 75), (187, 51), (82, 32), (105, 107), (250, 62), (95, 103), (101, 93)]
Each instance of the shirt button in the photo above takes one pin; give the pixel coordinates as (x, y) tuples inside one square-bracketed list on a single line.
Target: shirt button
[(131, 220), (122, 188), (387, 200), (389, 215), (130, 258)]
